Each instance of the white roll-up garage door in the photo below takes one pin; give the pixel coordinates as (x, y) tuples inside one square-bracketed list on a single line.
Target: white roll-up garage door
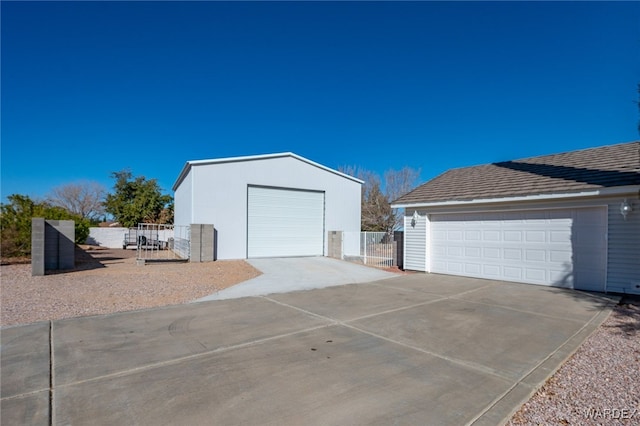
[(284, 222), (564, 248)]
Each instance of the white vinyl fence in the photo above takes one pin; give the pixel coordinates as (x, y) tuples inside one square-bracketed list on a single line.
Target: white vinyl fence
[(181, 241)]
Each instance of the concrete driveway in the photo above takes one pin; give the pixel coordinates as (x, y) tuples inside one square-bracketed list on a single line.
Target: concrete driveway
[(282, 275), (415, 349)]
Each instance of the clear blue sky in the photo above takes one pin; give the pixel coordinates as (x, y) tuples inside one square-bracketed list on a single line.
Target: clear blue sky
[(89, 88)]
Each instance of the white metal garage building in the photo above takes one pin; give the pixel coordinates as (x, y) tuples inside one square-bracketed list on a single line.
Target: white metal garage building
[(274, 205), (569, 220)]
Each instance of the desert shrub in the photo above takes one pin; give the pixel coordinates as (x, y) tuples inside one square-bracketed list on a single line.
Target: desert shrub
[(15, 223)]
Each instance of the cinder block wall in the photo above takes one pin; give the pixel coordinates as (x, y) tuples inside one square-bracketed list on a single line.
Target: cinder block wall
[(52, 245)]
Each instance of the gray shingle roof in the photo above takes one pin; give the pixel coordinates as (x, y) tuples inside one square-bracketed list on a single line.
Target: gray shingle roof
[(593, 168)]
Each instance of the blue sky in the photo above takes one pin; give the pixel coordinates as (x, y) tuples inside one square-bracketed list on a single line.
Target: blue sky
[(89, 88)]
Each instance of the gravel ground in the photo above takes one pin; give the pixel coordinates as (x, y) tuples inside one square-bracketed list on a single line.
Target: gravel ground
[(599, 384), (106, 281)]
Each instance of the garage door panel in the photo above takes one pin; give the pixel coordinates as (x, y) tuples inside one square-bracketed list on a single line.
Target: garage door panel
[(562, 277), (472, 236), (561, 237), (535, 255), (513, 254), (536, 275), (455, 251), (513, 274), (556, 256), (491, 236), (491, 253), (472, 268), (454, 236), (551, 247), (513, 236), (590, 237), (491, 270), (473, 252), (284, 222), (535, 236), (439, 236)]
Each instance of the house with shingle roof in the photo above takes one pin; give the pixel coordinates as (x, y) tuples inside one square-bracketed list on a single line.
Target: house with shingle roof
[(569, 220)]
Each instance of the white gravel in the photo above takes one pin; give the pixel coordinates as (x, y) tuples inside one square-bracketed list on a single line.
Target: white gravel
[(109, 281), (599, 384)]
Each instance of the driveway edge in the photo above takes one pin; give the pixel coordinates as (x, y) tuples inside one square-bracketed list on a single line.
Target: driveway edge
[(501, 411)]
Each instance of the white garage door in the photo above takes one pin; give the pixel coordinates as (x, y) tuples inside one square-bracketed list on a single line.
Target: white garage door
[(565, 248), (284, 222)]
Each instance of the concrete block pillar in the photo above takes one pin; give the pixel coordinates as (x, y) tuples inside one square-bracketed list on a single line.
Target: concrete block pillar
[(335, 244), (207, 239), (37, 246), (202, 243), (195, 242)]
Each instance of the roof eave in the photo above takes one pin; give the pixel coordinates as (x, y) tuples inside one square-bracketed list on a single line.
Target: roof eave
[(189, 164), (618, 190)]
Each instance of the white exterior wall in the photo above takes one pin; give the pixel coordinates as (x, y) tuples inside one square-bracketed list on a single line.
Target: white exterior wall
[(219, 197), (182, 213)]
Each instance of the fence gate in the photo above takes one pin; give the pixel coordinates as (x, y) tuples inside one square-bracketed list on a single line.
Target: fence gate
[(158, 242), (377, 249)]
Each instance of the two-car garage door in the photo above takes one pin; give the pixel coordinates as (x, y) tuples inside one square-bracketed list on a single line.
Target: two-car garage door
[(565, 247), (284, 222)]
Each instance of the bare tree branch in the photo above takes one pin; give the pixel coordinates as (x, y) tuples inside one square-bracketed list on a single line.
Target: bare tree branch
[(377, 215), (83, 198), (397, 184)]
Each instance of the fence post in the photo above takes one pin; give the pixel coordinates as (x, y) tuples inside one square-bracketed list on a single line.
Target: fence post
[(365, 248)]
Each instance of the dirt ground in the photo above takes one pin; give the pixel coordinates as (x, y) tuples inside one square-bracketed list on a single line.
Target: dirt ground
[(109, 280)]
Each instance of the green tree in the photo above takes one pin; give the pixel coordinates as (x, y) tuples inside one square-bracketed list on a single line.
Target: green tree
[(138, 200), (15, 223)]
